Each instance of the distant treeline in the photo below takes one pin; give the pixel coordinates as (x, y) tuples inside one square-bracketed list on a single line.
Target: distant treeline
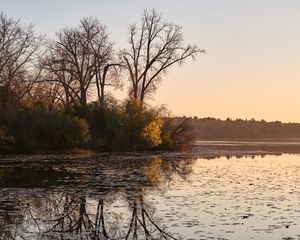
[(215, 129)]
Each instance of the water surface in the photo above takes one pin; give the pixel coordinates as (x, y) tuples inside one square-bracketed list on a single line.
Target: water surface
[(159, 196)]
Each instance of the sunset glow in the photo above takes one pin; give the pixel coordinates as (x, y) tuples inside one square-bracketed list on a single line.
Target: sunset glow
[(251, 68)]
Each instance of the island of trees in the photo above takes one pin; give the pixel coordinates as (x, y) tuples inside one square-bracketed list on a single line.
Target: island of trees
[(54, 93)]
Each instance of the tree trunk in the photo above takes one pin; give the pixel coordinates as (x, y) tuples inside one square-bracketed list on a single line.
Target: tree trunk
[(101, 100), (83, 98)]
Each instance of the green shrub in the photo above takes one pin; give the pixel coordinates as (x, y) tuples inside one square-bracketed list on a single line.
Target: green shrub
[(131, 126), (39, 131), (125, 127)]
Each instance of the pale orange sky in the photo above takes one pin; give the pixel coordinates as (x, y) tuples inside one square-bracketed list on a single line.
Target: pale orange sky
[(251, 68)]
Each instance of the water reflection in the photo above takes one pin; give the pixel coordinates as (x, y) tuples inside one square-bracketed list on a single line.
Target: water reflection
[(237, 196), (87, 199), (240, 149)]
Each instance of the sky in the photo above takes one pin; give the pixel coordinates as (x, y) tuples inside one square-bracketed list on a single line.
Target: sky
[(252, 65)]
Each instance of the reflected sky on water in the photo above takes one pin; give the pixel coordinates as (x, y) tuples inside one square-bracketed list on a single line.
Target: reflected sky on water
[(150, 197)]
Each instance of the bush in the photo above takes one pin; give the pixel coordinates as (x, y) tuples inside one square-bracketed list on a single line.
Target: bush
[(152, 132), (6, 140), (125, 127), (177, 134), (39, 131), (133, 126)]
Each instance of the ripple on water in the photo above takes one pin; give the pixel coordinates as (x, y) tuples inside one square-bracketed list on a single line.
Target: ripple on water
[(236, 198)]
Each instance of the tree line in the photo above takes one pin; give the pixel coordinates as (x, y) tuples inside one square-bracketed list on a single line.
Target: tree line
[(216, 129), (48, 86)]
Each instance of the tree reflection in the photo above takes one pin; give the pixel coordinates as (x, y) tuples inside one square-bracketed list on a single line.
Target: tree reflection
[(142, 219), (11, 216), (82, 206)]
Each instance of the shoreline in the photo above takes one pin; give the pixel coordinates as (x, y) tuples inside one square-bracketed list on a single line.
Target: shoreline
[(200, 148)]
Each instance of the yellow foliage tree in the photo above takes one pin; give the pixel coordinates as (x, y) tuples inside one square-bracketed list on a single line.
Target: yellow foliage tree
[(152, 132)]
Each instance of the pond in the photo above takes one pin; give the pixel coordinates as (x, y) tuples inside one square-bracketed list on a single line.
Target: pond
[(232, 194)]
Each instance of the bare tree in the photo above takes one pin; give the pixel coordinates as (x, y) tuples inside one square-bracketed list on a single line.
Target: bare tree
[(58, 73), (70, 61), (106, 67), (46, 95), (18, 51), (154, 46), (79, 58)]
